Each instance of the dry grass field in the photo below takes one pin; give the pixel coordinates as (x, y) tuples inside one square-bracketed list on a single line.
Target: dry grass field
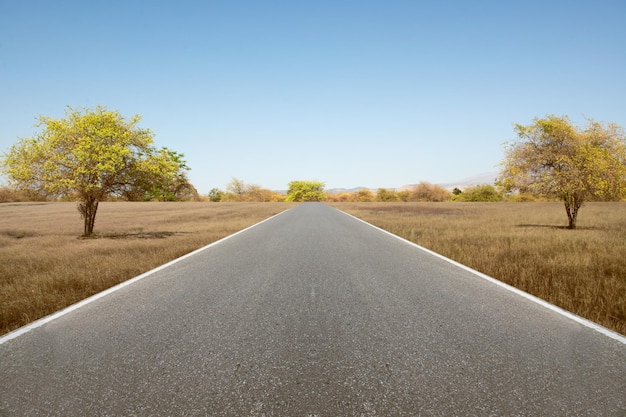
[(45, 266), (525, 245)]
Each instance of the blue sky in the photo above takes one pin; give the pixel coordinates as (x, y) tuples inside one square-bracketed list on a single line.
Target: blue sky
[(352, 93)]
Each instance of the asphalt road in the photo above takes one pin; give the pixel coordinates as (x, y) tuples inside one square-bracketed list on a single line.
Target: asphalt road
[(313, 313)]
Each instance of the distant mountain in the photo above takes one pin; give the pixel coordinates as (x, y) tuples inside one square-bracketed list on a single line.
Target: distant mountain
[(345, 190), (478, 179)]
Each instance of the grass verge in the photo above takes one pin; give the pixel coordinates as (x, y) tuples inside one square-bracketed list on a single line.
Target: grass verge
[(525, 245), (45, 266)]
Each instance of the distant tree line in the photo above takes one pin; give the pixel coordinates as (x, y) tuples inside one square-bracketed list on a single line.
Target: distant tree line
[(423, 192), (94, 155), (238, 190)]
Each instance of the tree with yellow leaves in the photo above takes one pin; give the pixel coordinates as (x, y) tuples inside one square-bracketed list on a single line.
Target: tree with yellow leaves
[(90, 155), (306, 191), (554, 158)]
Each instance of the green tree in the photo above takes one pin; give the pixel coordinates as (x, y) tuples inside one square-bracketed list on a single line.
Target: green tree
[(554, 158), (216, 195), (385, 195), (89, 155), (306, 191), (403, 195), (364, 196), (173, 185), (478, 193)]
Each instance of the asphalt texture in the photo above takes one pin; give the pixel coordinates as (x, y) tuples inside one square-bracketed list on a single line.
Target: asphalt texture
[(312, 313)]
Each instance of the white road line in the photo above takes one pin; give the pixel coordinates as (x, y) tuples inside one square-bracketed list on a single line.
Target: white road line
[(517, 291), (69, 309)]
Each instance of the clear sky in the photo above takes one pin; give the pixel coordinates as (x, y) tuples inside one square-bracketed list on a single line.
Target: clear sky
[(352, 93)]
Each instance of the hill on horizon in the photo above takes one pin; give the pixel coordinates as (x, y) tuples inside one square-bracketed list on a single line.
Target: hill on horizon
[(478, 179)]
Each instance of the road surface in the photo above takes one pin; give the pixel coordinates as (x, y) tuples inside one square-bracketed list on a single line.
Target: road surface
[(313, 313)]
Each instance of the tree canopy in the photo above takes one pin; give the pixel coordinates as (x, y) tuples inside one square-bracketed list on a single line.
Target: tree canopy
[(306, 191), (554, 158), (92, 154), (386, 195)]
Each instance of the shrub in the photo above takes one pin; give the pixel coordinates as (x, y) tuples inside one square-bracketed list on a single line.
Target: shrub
[(480, 193), (425, 191)]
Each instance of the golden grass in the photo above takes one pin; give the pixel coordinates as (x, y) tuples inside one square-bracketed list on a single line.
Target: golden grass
[(45, 267), (525, 245)]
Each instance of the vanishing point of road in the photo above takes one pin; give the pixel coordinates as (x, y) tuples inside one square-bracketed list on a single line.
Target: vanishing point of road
[(312, 313)]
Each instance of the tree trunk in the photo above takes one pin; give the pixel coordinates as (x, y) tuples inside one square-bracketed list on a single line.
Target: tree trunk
[(572, 203), (88, 209)]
